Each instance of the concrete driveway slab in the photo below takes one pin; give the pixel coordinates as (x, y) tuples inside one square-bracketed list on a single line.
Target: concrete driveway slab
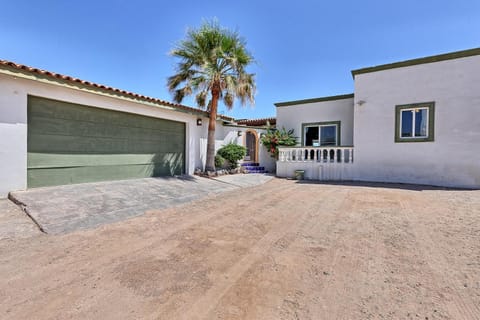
[(64, 209), (244, 180)]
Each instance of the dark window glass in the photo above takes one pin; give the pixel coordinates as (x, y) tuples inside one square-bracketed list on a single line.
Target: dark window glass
[(311, 135), (407, 123), (421, 119), (328, 135)]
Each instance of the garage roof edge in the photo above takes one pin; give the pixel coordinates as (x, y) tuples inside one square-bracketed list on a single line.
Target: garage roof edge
[(15, 69)]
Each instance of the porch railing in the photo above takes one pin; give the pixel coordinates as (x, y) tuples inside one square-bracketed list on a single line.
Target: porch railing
[(316, 154)]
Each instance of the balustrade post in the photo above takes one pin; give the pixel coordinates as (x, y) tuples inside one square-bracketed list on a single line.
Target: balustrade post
[(316, 154)]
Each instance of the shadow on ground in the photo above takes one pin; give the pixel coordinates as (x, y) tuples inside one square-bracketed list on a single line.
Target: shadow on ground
[(402, 186)]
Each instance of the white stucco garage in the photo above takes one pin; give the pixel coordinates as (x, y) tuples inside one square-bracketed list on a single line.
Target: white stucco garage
[(20, 85), (17, 85)]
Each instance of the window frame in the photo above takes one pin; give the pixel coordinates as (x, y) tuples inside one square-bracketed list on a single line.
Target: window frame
[(430, 106), (321, 124)]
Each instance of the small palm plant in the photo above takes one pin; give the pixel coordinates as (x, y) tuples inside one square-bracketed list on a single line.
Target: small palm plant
[(275, 138), (212, 64)]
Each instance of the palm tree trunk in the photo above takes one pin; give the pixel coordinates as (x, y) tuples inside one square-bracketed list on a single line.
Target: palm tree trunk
[(210, 162)]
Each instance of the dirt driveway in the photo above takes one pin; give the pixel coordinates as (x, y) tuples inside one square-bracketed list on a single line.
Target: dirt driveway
[(282, 250)]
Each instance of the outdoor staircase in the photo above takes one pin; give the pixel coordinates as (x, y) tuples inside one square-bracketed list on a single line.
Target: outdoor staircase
[(253, 167)]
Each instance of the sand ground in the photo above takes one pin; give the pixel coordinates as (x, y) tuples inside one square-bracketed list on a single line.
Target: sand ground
[(282, 250)]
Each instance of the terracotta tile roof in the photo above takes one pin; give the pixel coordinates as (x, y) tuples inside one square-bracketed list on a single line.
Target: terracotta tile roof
[(96, 86), (257, 122)]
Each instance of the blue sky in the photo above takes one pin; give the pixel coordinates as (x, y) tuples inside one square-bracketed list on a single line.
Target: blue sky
[(304, 49)]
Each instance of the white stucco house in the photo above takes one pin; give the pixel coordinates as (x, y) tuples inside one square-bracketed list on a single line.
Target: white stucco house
[(56, 129), (415, 121)]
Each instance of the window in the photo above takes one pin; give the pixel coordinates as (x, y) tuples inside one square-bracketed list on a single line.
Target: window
[(414, 122), (321, 134)]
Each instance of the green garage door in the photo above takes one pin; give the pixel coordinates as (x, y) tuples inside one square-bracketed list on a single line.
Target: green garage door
[(71, 143)]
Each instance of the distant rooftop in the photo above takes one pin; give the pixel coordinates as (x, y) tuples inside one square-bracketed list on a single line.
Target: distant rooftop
[(257, 122)]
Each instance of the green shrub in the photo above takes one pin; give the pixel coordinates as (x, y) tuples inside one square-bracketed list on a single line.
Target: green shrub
[(232, 153), (219, 161)]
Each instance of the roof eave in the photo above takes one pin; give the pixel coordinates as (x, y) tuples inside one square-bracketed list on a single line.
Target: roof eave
[(30, 73), (313, 100), (424, 60)]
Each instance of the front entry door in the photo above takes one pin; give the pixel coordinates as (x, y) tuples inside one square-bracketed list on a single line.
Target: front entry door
[(251, 145)]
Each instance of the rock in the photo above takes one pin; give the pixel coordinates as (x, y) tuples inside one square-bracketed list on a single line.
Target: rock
[(211, 173)]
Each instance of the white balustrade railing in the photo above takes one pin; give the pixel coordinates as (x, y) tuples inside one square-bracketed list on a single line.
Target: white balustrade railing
[(316, 154)]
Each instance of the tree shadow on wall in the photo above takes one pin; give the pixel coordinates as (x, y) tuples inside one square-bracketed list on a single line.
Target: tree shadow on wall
[(168, 165)]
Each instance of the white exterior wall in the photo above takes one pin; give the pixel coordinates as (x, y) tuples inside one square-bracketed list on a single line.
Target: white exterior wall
[(13, 123), (453, 159), (230, 134), (292, 117), (265, 159), (317, 170), (223, 136)]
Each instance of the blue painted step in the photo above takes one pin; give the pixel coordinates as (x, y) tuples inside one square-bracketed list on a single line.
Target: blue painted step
[(250, 164), (253, 167)]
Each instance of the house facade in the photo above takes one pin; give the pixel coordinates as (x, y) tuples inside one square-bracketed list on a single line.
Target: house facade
[(416, 121), (59, 130)]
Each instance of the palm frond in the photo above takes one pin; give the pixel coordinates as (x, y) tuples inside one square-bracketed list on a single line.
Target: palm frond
[(201, 98), (212, 57)]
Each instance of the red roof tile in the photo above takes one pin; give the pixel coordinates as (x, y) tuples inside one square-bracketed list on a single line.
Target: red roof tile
[(257, 122), (53, 75)]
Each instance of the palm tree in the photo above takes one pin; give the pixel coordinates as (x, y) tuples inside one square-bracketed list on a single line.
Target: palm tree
[(212, 62)]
